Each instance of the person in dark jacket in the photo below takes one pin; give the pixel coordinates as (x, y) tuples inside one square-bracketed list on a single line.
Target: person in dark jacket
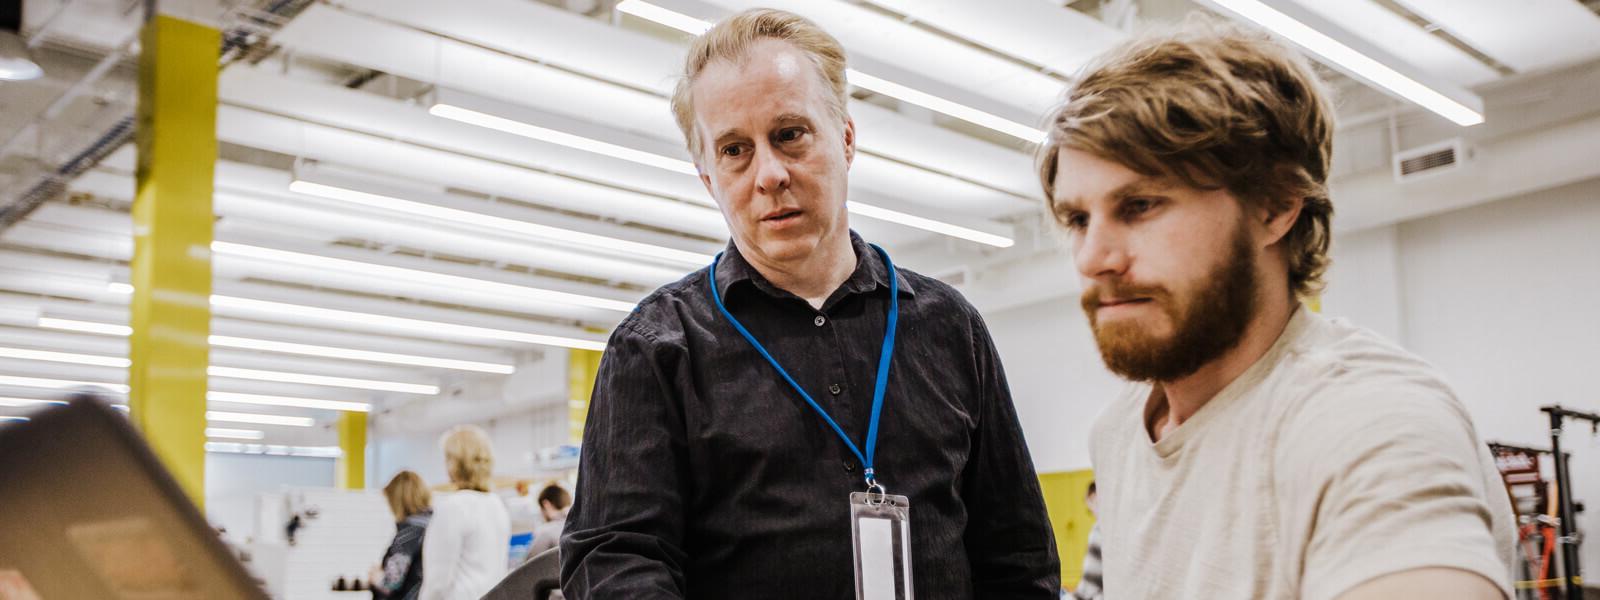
[(400, 575)]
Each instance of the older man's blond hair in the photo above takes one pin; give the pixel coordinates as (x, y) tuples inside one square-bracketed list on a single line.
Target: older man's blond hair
[(731, 40)]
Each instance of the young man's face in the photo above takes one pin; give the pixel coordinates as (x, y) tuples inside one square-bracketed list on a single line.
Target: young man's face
[(775, 156), (1168, 271)]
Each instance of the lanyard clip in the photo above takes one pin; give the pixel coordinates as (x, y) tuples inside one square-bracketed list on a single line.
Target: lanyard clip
[(874, 489)]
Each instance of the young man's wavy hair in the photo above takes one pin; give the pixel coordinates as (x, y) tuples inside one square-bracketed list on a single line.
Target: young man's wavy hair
[(1215, 107)]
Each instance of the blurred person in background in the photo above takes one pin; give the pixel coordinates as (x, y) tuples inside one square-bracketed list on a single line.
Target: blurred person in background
[(554, 502), (399, 576), (1089, 586), (465, 551)]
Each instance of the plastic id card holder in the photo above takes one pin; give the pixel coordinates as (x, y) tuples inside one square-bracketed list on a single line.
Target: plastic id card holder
[(880, 528)]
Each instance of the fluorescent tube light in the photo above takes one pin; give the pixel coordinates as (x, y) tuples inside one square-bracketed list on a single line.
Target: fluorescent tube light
[(691, 25), (223, 341), (1351, 60), (231, 372), (65, 357), (403, 323), (259, 419), (948, 107), (265, 400), (235, 434), (400, 323), (578, 142), (419, 276), (274, 450), (59, 384), (344, 382), (910, 220), (21, 402), (464, 217), (362, 355)]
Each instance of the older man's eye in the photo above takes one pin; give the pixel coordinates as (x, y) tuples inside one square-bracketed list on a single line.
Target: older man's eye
[(791, 134), (732, 151)]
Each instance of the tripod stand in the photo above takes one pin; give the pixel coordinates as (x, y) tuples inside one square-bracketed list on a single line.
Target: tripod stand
[(1569, 539)]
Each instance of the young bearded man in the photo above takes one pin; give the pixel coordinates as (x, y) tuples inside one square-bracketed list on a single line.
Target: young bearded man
[(1262, 451)]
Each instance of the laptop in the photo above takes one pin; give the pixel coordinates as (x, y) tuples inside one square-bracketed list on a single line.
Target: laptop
[(86, 511)]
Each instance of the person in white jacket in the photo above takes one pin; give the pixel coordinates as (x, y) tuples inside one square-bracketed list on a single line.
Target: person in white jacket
[(466, 549)]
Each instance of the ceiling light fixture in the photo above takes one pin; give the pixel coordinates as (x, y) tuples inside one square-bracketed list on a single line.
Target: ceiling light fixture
[(578, 142), (266, 400), (235, 434), (1465, 108), (693, 26), (259, 419), (464, 217), (223, 341), (388, 322), (419, 276)]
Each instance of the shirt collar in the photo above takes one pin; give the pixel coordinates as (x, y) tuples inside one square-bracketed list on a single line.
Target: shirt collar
[(870, 273)]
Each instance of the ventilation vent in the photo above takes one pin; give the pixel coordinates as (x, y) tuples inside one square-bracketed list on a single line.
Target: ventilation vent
[(1428, 161)]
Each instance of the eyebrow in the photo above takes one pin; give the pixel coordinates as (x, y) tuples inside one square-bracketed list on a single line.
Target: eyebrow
[(735, 132), (1132, 188)]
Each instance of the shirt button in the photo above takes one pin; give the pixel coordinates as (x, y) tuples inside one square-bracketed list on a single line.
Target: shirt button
[(849, 467), (819, 320), (834, 389)]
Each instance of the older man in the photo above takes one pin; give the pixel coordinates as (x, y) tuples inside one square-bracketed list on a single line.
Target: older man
[(738, 409)]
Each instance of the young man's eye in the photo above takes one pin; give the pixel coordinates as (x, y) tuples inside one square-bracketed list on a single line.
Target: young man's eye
[(1075, 221), (1138, 206)]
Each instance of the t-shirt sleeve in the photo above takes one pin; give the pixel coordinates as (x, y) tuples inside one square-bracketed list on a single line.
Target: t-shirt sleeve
[(1384, 479)]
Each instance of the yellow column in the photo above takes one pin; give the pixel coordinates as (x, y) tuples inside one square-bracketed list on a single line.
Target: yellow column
[(171, 267), (582, 367), (351, 472), (1070, 518)]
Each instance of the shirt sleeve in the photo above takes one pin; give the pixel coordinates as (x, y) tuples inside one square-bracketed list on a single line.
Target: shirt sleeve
[(441, 551), (624, 535), (1393, 479), (1008, 539)]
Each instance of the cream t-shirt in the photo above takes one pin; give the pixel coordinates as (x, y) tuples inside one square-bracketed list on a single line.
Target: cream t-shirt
[(1335, 459)]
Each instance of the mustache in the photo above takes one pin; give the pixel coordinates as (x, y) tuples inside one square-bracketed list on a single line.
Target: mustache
[(1093, 295)]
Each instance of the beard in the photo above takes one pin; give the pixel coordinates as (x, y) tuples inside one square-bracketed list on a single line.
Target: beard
[(1206, 324)]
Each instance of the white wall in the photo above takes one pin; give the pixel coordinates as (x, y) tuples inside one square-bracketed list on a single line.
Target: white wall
[(1057, 379), (1505, 299), (234, 480)]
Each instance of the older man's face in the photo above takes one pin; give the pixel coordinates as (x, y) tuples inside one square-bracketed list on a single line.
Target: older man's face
[(775, 157)]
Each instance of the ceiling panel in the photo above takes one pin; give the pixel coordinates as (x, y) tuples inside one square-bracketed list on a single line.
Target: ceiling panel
[(1525, 34)]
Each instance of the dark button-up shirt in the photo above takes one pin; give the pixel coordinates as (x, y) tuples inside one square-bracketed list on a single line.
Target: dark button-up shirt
[(704, 475)]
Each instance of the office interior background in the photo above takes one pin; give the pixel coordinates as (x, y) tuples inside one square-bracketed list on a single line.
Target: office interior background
[(432, 213)]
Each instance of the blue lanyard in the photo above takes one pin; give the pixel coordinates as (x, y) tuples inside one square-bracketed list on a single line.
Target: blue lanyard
[(883, 365)]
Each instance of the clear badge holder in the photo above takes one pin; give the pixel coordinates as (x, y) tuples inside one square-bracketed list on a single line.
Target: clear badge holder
[(880, 528)]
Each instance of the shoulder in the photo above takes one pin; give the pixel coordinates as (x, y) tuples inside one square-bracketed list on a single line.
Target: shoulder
[(1338, 362), (938, 306), (662, 317), (1346, 384)]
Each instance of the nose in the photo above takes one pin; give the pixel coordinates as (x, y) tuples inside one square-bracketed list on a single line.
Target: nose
[(1100, 252), (772, 172)]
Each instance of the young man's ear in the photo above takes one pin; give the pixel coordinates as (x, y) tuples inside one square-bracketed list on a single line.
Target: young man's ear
[(1278, 218)]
